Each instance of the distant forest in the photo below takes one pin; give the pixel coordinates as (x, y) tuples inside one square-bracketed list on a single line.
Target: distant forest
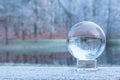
[(52, 19)]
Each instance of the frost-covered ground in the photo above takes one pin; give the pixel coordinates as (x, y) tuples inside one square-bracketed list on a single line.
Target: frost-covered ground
[(57, 73)]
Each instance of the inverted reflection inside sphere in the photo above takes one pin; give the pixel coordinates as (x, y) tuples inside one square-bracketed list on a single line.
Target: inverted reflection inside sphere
[(86, 41)]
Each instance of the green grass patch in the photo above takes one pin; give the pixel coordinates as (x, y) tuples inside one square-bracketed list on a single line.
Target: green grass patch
[(42, 46), (114, 42), (27, 46)]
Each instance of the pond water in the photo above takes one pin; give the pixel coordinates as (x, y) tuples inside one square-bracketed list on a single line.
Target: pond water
[(110, 56)]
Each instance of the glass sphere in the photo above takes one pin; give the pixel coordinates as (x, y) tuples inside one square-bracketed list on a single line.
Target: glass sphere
[(86, 40)]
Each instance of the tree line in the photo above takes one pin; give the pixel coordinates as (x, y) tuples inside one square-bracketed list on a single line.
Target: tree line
[(36, 15)]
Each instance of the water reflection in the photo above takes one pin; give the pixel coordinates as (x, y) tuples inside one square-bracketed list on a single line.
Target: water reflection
[(61, 58), (111, 56), (114, 55)]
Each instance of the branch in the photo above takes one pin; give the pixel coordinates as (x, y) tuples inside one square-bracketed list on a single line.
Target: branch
[(66, 10)]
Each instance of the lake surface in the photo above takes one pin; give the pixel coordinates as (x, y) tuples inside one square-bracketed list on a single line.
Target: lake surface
[(110, 56)]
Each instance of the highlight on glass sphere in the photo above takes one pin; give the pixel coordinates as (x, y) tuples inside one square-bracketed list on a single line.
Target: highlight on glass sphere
[(86, 40)]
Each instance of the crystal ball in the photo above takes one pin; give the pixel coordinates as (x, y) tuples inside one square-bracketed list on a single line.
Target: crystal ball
[(86, 40)]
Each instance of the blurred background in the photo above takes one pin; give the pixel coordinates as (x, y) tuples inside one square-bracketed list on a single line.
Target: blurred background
[(35, 31)]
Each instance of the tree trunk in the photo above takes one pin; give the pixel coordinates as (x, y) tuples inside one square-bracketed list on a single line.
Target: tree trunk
[(108, 52), (7, 56), (16, 31), (35, 33), (23, 34), (6, 34), (51, 35)]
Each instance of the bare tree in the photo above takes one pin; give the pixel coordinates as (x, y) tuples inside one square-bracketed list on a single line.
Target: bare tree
[(10, 8), (5, 20), (108, 52), (41, 15), (69, 15)]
